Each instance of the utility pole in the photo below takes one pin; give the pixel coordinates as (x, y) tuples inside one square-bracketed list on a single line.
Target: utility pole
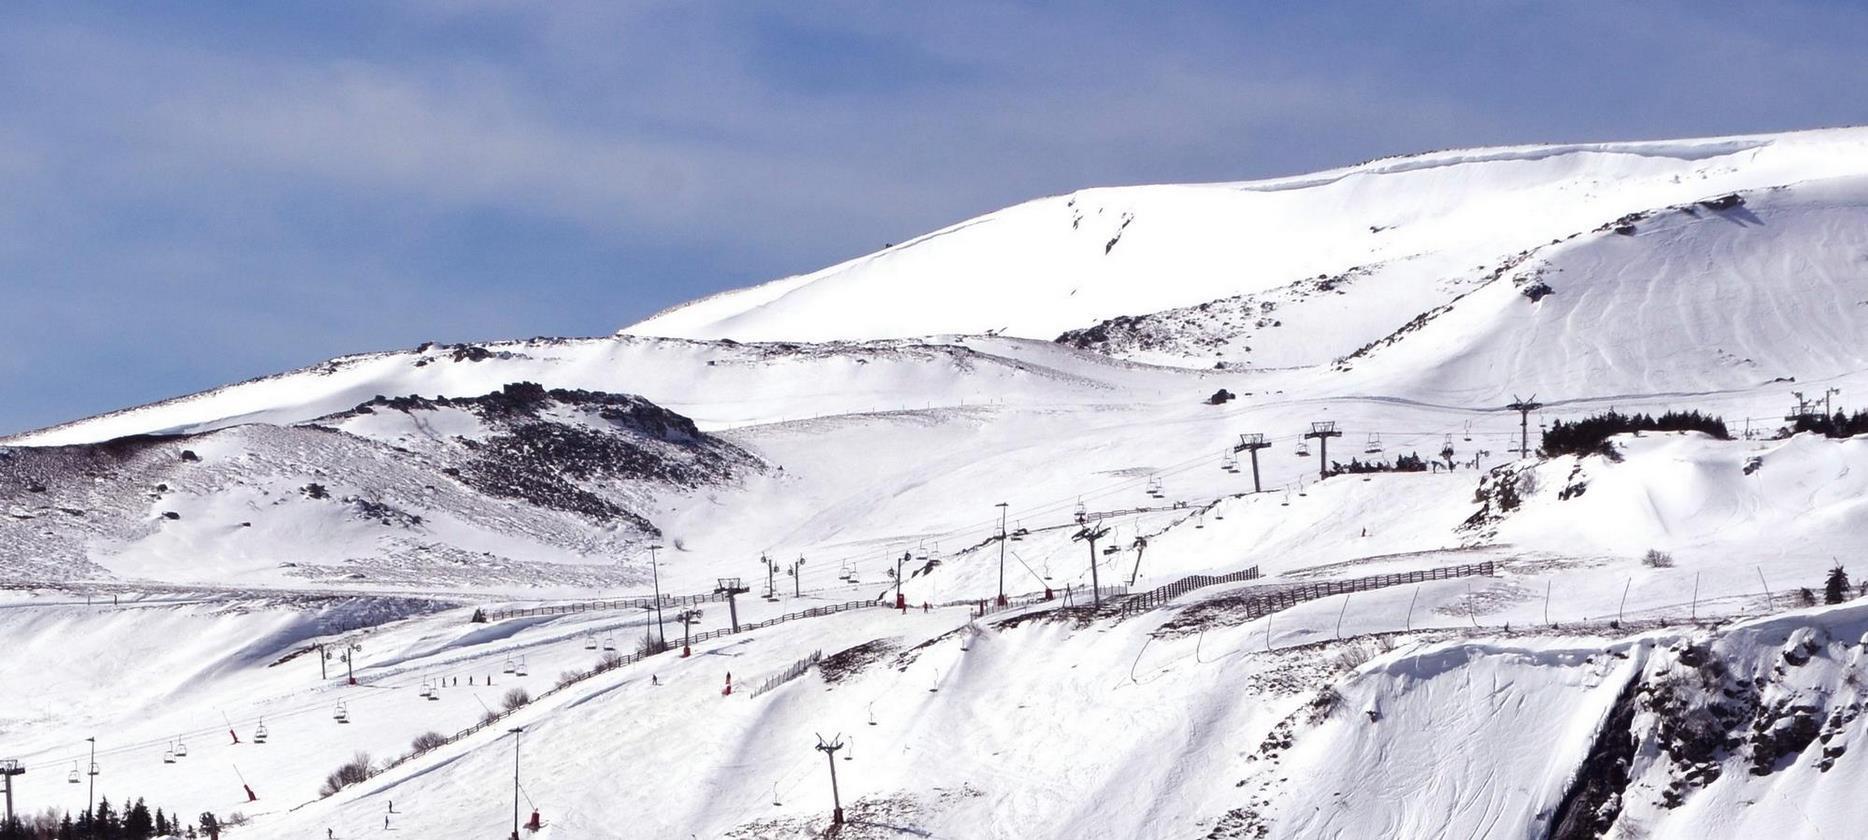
[(1524, 408), (1252, 443), (91, 806), (771, 577), (830, 752), (1090, 534), (9, 768), (731, 587), (1002, 508), (797, 584), (516, 732), (1321, 431), (661, 632)]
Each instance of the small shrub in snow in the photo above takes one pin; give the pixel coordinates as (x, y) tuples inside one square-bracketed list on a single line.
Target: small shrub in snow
[(490, 717), (427, 741), (1657, 559), (515, 697), (568, 677), (355, 770)]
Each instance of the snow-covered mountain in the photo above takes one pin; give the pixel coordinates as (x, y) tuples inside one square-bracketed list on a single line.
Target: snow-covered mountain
[(1610, 644)]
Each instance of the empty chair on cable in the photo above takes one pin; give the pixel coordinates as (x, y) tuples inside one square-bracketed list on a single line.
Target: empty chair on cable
[(181, 748), (1375, 444), (341, 713), (259, 732)]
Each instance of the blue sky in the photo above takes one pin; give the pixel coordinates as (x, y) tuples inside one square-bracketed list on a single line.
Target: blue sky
[(196, 193)]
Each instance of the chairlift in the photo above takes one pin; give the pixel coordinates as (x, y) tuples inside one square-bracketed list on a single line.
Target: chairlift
[(259, 732), (1469, 430), (1154, 487), (341, 714), (1374, 446), (1228, 462), (844, 573), (854, 578), (1083, 513), (1199, 521), (1446, 448), (73, 778), (849, 748), (872, 714), (427, 690), (590, 641), (519, 670), (609, 641), (168, 756), (1019, 532), (1287, 499), (508, 668), (181, 748), (1303, 449)]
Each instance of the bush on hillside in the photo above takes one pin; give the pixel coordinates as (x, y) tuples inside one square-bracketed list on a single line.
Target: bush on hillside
[(355, 770)]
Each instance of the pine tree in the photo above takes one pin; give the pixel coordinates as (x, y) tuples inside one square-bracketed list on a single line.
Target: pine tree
[(1836, 587), (162, 824), (137, 824), (67, 831)]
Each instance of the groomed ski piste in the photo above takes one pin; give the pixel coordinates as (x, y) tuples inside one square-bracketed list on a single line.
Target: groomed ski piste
[(1416, 656)]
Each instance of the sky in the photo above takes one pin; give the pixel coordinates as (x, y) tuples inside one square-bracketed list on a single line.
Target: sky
[(192, 194)]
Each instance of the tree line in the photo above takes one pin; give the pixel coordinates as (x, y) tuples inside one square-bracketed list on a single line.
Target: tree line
[(1590, 435)]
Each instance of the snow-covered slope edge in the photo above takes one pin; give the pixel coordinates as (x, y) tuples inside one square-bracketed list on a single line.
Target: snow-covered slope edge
[(1047, 266)]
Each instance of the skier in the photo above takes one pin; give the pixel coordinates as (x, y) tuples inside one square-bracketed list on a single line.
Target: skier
[(385, 822), (654, 680)]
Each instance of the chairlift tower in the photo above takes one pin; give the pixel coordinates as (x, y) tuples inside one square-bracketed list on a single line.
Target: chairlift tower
[(797, 577), (1252, 443), (1321, 431), (687, 619), (9, 768), (771, 577), (829, 749), (731, 587), (1090, 534), (1002, 537), (1524, 408)]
